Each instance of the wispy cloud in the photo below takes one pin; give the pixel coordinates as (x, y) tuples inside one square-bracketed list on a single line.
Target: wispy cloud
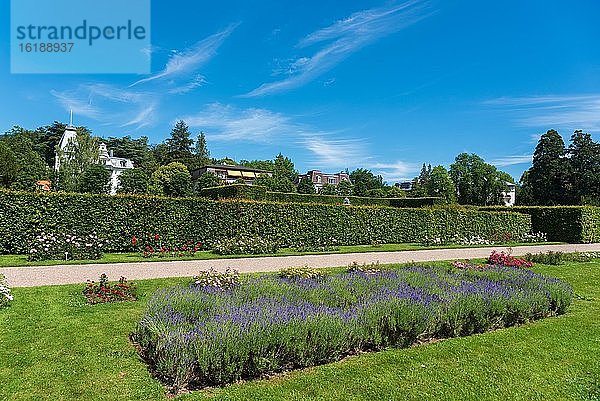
[(198, 81), (190, 60), (341, 39), (335, 153), (512, 160), (70, 101), (227, 123), (395, 172), (110, 104), (554, 111)]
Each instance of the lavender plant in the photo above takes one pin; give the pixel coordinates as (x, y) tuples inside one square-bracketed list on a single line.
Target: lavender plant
[(203, 335)]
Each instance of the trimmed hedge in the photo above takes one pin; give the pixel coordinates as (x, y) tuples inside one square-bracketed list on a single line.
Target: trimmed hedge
[(117, 218), (235, 191), (255, 192), (573, 224)]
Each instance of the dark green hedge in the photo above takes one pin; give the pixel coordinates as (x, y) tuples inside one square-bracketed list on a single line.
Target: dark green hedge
[(254, 192), (118, 218), (354, 200), (235, 191), (574, 224)]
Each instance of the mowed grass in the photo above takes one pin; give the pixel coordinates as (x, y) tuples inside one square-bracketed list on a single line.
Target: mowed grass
[(130, 257), (55, 347)]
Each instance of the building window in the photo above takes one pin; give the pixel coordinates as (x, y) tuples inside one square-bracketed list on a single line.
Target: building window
[(123, 163), (318, 179), (331, 180)]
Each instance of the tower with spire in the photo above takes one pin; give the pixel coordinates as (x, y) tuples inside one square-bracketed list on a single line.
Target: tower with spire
[(68, 137)]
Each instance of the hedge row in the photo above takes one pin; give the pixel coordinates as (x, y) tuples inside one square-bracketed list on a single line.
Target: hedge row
[(253, 192), (573, 224), (118, 218)]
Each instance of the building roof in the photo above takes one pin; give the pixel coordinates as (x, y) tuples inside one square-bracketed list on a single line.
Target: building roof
[(231, 167)]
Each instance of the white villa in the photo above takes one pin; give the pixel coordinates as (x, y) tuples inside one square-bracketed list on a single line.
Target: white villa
[(509, 196), (116, 165)]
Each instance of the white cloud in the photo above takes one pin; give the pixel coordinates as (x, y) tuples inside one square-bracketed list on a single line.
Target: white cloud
[(226, 123), (512, 160), (342, 39), (198, 81), (110, 104), (80, 107), (395, 172), (554, 111), (191, 59), (334, 153)]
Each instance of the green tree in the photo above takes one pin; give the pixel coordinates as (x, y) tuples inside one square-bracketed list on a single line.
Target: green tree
[(201, 148), (440, 185), (75, 158), (9, 166), (344, 188), (548, 179), (584, 160), (134, 181), (328, 189), (179, 144), (208, 180), (95, 179), (174, 179), (364, 180), (477, 182), (283, 168), (306, 186), (395, 192), (420, 184)]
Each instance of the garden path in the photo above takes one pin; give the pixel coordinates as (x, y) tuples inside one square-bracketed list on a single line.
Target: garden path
[(72, 274)]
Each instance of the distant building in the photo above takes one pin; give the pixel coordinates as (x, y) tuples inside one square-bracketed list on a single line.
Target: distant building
[(320, 178), (510, 196), (116, 165), (405, 186), (230, 174)]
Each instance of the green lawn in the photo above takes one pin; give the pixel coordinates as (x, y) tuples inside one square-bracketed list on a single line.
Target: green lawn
[(21, 260), (53, 346)]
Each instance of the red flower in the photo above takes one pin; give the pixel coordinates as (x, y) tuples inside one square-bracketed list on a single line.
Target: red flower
[(133, 240), (157, 237)]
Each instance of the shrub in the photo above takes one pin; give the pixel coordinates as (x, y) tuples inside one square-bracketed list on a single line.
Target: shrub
[(117, 218), (300, 272), (535, 237), (249, 245), (466, 264), (64, 246), (5, 294), (581, 256), (195, 337), (215, 279), (504, 259), (153, 246), (371, 268), (548, 258), (317, 245), (103, 291), (354, 200)]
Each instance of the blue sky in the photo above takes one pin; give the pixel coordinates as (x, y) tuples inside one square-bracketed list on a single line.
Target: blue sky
[(382, 85)]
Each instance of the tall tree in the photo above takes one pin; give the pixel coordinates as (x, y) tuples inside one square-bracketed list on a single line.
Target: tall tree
[(133, 181), (441, 185), (75, 158), (477, 182), (201, 148), (548, 178), (179, 144), (21, 166), (420, 184), (306, 186), (174, 179), (584, 160), (94, 179), (364, 180)]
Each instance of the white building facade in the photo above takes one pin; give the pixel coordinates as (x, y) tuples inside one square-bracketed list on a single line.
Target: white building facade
[(116, 165)]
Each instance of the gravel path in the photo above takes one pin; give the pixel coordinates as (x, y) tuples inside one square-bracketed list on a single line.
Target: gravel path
[(71, 274)]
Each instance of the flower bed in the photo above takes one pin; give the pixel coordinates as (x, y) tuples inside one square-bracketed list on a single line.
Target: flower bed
[(200, 335), (155, 246), (248, 245), (103, 291), (63, 246)]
